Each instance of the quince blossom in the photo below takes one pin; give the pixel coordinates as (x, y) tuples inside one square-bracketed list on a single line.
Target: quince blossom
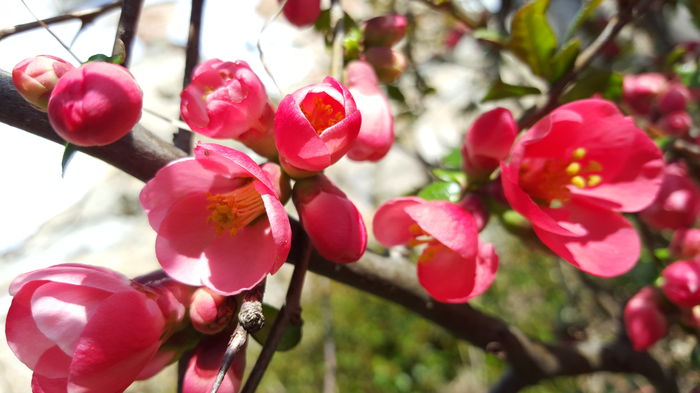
[(454, 266), (35, 77), (219, 220), (573, 173), (645, 322), (677, 203), (681, 283)]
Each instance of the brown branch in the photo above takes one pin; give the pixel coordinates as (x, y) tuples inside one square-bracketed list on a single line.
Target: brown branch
[(126, 29), (183, 138), (85, 16), (448, 8), (336, 17), (141, 155)]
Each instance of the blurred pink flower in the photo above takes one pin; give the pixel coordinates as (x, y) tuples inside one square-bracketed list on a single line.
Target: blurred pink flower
[(302, 12), (66, 323), (685, 243), (573, 173), (95, 104), (35, 77), (681, 283), (385, 30), (677, 204), (645, 323), (454, 266), (219, 221), (388, 63), (204, 365), (315, 126), (640, 91), (487, 142)]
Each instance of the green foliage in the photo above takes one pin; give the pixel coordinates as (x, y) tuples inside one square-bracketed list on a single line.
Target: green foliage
[(532, 39), (453, 159), (441, 191), (608, 84), (68, 152), (291, 336), (565, 59), (582, 15), (500, 90)]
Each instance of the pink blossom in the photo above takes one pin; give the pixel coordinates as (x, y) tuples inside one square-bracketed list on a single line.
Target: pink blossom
[(573, 173), (302, 12), (677, 203), (377, 130), (227, 100), (645, 323), (95, 104), (388, 64), (35, 77), (676, 123), (674, 98), (218, 219), (454, 266), (487, 142), (66, 323), (331, 220), (315, 126), (385, 30), (210, 312), (640, 91), (204, 365), (685, 243), (681, 283)]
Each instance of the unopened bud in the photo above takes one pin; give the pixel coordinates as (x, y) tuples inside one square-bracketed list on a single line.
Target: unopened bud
[(385, 30), (388, 64), (35, 78), (210, 312)]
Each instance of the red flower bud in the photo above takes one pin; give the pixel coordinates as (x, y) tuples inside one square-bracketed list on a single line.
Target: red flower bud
[(682, 283), (95, 104), (677, 203), (388, 64), (674, 99), (210, 312), (640, 91), (302, 12), (644, 321), (686, 243), (35, 77), (676, 123), (487, 142), (340, 237), (385, 30)]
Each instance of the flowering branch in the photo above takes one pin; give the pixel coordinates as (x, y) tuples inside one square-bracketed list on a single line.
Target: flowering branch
[(126, 29)]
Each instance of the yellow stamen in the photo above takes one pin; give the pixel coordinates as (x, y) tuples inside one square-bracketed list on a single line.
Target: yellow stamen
[(594, 180), (573, 168), (579, 153), (578, 181), (234, 210)]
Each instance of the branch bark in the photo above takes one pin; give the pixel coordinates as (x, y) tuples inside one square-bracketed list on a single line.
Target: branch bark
[(126, 29)]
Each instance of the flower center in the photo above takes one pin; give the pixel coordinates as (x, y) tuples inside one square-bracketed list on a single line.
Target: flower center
[(233, 210), (322, 111), (423, 239), (548, 182)]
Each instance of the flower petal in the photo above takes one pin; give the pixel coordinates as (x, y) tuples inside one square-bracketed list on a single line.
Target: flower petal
[(449, 224), (391, 222), (447, 276)]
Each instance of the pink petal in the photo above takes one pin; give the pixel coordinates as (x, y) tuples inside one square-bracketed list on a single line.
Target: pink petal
[(391, 222), (609, 247), (53, 364), (449, 224), (376, 133), (238, 163), (23, 336), (280, 229), (447, 276), (109, 356), (240, 262), (76, 274), (204, 365), (42, 384)]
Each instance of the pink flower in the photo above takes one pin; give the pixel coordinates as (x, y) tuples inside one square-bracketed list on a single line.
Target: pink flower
[(331, 220), (640, 91), (685, 243), (377, 130), (227, 100), (315, 126), (645, 323), (677, 203), (573, 172), (487, 142), (204, 365), (67, 324), (682, 283), (302, 12), (218, 219), (674, 98), (388, 64), (474, 204), (210, 312), (35, 77), (95, 104), (454, 265), (676, 123), (385, 30)]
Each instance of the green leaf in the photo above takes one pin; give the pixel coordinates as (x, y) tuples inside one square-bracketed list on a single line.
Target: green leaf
[(489, 36), (500, 90), (68, 153), (453, 159), (607, 83), (583, 13), (441, 191), (394, 92), (352, 43), (116, 59), (450, 175), (564, 60), (291, 336), (532, 39), (690, 77)]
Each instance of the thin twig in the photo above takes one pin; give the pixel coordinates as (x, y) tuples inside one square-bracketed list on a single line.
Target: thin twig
[(48, 29), (258, 44), (448, 8), (291, 309), (85, 17), (329, 356), (336, 19), (183, 137), (126, 29)]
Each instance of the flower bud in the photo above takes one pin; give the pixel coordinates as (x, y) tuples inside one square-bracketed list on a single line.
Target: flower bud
[(210, 312), (674, 98), (385, 30), (677, 203), (279, 180), (204, 366), (682, 283), (95, 104), (331, 220), (388, 64), (640, 91), (35, 77), (315, 126), (645, 323), (302, 12), (676, 123), (377, 130), (686, 243), (488, 142)]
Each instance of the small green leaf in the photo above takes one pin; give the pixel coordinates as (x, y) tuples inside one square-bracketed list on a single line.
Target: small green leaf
[(394, 92), (352, 43), (117, 59), (583, 13), (690, 77), (291, 336), (564, 60), (450, 176), (453, 159), (68, 153), (441, 191), (607, 83), (500, 90), (662, 253), (489, 36), (532, 39)]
